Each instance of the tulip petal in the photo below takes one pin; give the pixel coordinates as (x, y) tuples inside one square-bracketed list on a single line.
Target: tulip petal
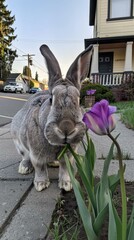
[(99, 119), (96, 109), (90, 92), (111, 123), (94, 123), (112, 109)]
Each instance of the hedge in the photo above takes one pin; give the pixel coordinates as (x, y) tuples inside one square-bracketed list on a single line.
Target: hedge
[(102, 92)]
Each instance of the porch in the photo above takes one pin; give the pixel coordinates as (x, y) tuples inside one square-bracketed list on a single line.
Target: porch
[(112, 79), (112, 61)]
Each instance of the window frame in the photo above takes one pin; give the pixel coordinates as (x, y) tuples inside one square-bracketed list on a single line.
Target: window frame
[(120, 18)]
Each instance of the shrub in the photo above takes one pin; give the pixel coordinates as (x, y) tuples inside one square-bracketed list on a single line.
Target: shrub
[(101, 92), (125, 91)]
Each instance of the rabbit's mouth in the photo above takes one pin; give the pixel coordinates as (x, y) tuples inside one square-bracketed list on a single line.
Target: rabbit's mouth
[(64, 133)]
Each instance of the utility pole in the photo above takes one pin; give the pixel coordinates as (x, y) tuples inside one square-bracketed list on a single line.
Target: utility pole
[(29, 62)]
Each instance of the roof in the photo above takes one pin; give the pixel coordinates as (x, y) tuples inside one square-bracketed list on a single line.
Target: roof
[(92, 10), (12, 77), (106, 40)]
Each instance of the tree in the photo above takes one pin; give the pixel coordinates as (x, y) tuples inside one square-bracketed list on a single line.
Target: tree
[(27, 71), (7, 55), (36, 76)]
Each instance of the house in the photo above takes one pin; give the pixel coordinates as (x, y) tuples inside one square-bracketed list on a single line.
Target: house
[(35, 83), (18, 78), (113, 41)]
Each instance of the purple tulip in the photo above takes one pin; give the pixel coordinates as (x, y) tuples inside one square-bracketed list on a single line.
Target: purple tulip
[(91, 92), (99, 119)]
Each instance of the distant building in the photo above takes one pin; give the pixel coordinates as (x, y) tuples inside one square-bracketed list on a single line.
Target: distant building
[(18, 78)]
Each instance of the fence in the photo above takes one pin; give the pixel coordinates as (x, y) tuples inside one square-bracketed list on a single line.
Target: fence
[(112, 79)]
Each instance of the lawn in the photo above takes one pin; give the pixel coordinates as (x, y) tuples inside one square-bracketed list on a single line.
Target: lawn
[(127, 112)]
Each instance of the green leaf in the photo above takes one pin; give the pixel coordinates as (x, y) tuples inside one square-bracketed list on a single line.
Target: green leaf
[(130, 227), (131, 231), (89, 189), (90, 152), (107, 163), (115, 226), (114, 181), (85, 215), (100, 219), (80, 163), (62, 152), (97, 196), (90, 157), (104, 184)]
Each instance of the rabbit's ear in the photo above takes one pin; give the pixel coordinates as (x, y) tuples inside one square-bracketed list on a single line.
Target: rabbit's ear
[(52, 65), (80, 68)]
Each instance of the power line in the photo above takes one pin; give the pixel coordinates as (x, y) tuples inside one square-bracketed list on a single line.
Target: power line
[(42, 68), (39, 63), (53, 41)]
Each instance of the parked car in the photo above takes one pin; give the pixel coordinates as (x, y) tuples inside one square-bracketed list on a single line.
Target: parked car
[(35, 89), (13, 87)]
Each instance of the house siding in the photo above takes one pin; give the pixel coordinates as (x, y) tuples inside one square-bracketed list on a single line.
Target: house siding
[(119, 60), (113, 28)]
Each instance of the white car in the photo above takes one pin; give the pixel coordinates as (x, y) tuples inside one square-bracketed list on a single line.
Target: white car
[(13, 87)]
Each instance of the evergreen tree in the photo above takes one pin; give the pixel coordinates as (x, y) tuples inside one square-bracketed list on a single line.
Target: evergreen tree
[(7, 55), (27, 71), (36, 76)]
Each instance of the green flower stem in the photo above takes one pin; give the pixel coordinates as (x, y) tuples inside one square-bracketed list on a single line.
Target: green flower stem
[(123, 189)]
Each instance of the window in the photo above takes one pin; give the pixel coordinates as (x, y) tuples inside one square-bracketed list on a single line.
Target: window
[(120, 9)]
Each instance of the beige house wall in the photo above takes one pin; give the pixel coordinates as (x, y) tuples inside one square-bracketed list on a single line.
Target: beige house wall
[(119, 60), (119, 55), (106, 28)]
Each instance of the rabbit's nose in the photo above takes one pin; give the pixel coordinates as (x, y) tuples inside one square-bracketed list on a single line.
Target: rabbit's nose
[(67, 127)]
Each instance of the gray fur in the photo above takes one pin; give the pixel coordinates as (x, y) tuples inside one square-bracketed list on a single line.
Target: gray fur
[(48, 121)]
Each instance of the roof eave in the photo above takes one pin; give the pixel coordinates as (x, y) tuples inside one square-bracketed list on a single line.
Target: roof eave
[(107, 40), (92, 12)]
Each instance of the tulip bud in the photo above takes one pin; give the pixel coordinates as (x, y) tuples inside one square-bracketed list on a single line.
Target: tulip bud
[(99, 119)]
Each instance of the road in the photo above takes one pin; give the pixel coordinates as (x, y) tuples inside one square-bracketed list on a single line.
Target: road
[(10, 103)]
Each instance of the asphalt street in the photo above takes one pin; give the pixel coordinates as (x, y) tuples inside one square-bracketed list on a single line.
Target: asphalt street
[(10, 104)]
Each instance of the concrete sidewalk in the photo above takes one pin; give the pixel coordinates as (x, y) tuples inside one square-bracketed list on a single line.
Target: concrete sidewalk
[(26, 213), (126, 141)]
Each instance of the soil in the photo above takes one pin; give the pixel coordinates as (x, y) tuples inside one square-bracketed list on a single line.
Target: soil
[(66, 215)]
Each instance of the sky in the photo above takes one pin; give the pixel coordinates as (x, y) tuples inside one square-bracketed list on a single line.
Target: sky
[(61, 24)]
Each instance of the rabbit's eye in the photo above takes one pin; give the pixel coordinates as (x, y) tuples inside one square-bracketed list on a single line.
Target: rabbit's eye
[(50, 99)]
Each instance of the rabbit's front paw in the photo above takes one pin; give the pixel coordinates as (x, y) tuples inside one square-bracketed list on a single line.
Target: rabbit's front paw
[(25, 167), (66, 185), (39, 186)]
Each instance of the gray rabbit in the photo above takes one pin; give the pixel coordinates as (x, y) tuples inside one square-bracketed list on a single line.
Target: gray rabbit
[(50, 120)]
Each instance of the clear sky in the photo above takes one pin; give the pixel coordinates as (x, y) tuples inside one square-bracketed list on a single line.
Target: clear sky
[(61, 24)]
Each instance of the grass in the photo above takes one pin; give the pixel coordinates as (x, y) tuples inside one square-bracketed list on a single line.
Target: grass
[(125, 156), (127, 117), (57, 234), (127, 112), (63, 227), (124, 105)]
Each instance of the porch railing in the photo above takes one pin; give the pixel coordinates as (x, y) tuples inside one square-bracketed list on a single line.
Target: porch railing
[(112, 79)]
